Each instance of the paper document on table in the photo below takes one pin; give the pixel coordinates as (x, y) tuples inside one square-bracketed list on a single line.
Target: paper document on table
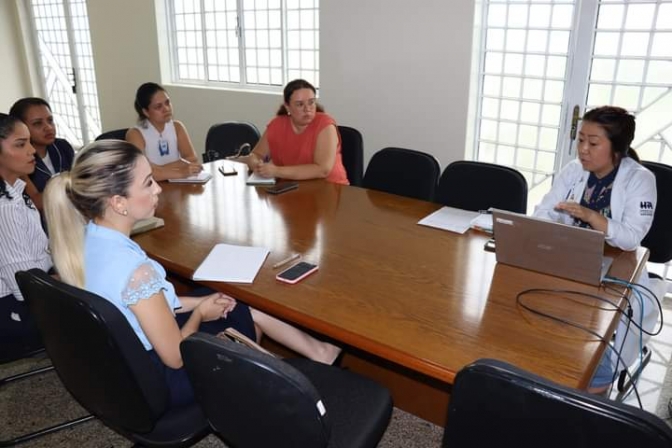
[(230, 263), (199, 178), (255, 179), (449, 218), (147, 224)]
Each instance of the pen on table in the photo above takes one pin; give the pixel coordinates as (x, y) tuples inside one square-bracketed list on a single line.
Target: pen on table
[(286, 260)]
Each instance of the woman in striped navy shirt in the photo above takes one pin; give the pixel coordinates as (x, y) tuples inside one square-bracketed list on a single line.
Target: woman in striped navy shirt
[(23, 244)]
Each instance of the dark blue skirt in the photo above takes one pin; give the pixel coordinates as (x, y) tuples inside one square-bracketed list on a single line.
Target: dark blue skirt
[(18, 337), (181, 393)]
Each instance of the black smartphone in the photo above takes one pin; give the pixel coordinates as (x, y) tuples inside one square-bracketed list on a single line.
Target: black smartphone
[(296, 273), (489, 245), (282, 188)]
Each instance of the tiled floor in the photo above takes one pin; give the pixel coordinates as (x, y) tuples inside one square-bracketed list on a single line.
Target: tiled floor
[(655, 384)]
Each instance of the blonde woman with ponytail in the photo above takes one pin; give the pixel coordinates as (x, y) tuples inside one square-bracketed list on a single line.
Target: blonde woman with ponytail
[(90, 213)]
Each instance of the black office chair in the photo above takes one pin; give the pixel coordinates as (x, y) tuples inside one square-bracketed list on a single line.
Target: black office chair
[(117, 134), (478, 186), (493, 403), (659, 238), (105, 367), (230, 139), (405, 172), (352, 151), (254, 400), (659, 243)]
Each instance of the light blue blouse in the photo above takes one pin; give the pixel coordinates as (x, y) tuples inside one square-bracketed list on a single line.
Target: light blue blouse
[(117, 269)]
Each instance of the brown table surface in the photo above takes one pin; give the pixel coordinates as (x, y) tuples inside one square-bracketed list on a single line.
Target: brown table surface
[(427, 299)]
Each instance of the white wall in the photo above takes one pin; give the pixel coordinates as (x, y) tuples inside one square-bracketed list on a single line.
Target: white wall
[(399, 71), (396, 70), (15, 82)]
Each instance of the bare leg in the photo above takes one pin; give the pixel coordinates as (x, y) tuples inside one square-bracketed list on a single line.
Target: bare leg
[(295, 339), (601, 390)]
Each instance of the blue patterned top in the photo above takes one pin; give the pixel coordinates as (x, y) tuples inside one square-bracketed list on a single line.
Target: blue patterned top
[(597, 195), (117, 269)]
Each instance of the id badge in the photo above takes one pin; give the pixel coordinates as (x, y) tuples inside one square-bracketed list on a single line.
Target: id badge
[(163, 147)]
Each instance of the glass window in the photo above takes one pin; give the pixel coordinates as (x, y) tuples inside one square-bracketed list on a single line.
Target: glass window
[(252, 43)]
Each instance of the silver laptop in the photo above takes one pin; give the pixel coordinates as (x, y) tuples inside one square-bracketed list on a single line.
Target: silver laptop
[(544, 246)]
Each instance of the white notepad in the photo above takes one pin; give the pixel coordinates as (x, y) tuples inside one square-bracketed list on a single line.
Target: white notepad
[(451, 219), (199, 178), (255, 179), (231, 263)]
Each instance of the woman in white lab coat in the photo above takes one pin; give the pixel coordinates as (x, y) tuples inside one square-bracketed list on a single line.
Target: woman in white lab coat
[(607, 189)]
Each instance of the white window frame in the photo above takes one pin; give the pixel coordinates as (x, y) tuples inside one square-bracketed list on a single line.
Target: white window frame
[(73, 95), (578, 84), (244, 83)]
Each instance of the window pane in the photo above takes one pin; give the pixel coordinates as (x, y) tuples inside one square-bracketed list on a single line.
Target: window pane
[(529, 112), (490, 108), (661, 46), (640, 17), (659, 72), (493, 62), (630, 71), (513, 64), (610, 17), (634, 44), (270, 28), (510, 109), (606, 44), (603, 69)]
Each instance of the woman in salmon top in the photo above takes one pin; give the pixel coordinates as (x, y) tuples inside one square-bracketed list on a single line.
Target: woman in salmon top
[(301, 142)]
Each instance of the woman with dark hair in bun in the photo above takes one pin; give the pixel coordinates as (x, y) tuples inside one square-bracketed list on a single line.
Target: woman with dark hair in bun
[(164, 141), (607, 189)]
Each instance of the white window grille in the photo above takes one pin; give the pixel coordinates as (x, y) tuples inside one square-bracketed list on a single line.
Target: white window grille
[(66, 63), (257, 43), (538, 60)]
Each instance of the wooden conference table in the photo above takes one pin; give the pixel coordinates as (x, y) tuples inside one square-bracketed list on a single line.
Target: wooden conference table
[(414, 304)]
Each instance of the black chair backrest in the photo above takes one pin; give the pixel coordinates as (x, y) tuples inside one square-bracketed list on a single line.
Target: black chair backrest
[(478, 186), (225, 139), (252, 399), (352, 151), (405, 172), (117, 134), (96, 354), (493, 403), (659, 238)]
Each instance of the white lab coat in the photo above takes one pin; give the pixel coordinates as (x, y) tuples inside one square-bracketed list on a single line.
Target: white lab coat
[(633, 202)]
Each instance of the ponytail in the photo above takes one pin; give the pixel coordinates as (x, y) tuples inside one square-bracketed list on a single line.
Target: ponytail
[(73, 198), (633, 155), (66, 230)]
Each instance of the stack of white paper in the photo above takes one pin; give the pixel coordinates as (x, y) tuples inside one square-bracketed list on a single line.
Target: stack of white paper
[(230, 263), (255, 179), (451, 219), (199, 178)]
